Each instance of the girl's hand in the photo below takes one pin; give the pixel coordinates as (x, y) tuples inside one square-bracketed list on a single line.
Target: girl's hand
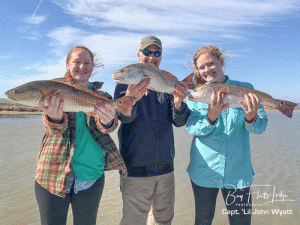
[(216, 106), (250, 105), (55, 108), (106, 112)]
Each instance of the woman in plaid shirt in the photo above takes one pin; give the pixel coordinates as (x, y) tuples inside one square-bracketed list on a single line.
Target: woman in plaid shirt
[(75, 150)]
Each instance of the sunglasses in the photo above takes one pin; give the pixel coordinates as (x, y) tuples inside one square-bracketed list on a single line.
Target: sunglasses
[(147, 52)]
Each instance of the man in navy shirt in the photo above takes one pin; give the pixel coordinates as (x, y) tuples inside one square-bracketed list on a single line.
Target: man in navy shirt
[(147, 144)]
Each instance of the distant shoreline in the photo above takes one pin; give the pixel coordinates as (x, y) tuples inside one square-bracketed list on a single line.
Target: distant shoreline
[(16, 114), (12, 114)]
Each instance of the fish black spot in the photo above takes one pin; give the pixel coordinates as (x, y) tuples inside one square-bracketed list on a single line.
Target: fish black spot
[(281, 103), (120, 102)]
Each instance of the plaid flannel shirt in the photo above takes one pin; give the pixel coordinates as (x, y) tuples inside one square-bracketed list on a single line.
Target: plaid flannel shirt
[(54, 161)]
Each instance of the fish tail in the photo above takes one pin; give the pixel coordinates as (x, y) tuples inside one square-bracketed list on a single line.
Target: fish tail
[(286, 108), (189, 81), (124, 105)]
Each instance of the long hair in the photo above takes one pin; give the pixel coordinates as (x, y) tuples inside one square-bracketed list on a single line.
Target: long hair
[(96, 63), (206, 49)]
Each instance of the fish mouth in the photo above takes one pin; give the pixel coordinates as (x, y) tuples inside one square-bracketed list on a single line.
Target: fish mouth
[(118, 79)]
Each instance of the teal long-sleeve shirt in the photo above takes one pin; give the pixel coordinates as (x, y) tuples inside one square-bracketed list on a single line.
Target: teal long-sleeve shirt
[(220, 153)]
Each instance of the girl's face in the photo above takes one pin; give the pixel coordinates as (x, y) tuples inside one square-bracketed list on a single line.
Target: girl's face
[(80, 65), (210, 68)]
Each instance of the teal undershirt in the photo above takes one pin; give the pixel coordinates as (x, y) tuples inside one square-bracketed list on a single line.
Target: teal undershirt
[(89, 159)]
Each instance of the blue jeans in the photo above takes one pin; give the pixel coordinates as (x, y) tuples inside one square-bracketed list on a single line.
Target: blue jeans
[(54, 209), (238, 204)]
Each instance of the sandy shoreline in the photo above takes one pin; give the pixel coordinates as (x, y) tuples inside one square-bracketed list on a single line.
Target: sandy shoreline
[(9, 114)]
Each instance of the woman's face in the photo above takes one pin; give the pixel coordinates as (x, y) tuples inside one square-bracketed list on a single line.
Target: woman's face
[(80, 65), (210, 68)]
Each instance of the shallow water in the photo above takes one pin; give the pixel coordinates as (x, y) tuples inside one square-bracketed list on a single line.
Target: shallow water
[(275, 158)]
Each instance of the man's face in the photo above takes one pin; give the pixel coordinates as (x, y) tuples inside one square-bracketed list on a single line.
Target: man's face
[(151, 60)]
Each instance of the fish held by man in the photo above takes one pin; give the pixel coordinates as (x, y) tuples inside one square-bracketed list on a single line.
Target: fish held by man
[(160, 81), (75, 98), (234, 94)]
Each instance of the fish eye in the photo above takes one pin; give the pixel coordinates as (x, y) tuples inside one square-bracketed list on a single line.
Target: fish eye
[(120, 102)]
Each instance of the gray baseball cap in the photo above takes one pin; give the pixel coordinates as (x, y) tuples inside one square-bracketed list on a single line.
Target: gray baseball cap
[(149, 40)]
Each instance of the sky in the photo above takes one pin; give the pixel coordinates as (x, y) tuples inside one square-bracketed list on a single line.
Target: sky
[(259, 38)]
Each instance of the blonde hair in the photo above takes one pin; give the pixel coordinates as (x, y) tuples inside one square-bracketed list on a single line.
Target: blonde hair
[(97, 62), (210, 49)]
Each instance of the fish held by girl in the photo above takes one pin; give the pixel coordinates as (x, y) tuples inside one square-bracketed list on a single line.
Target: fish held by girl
[(75, 98), (234, 94)]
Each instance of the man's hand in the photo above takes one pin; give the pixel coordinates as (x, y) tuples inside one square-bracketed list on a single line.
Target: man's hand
[(138, 90)]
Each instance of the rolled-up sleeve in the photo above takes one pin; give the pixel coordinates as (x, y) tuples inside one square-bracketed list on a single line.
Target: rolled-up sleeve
[(55, 126), (260, 124)]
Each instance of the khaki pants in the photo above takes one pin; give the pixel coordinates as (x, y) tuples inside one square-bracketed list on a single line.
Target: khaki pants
[(139, 193)]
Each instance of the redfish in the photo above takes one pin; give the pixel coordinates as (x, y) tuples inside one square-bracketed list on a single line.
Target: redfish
[(75, 98), (235, 94), (160, 81)]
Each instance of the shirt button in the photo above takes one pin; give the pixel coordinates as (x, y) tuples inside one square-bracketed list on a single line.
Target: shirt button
[(78, 130), (75, 146)]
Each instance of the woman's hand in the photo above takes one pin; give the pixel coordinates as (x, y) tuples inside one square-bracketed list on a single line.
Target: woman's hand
[(55, 108), (138, 90), (250, 105), (106, 112), (216, 106)]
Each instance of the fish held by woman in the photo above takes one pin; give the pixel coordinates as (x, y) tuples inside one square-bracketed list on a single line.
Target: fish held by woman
[(75, 98), (234, 94)]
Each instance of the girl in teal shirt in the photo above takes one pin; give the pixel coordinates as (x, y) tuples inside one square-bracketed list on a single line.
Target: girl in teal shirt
[(220, 151)]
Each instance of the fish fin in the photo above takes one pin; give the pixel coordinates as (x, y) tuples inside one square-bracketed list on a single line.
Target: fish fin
[(224, 90), (189, 81), (52, 93), (85, 90), (47, 97), (286, 108), (169, 75)]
